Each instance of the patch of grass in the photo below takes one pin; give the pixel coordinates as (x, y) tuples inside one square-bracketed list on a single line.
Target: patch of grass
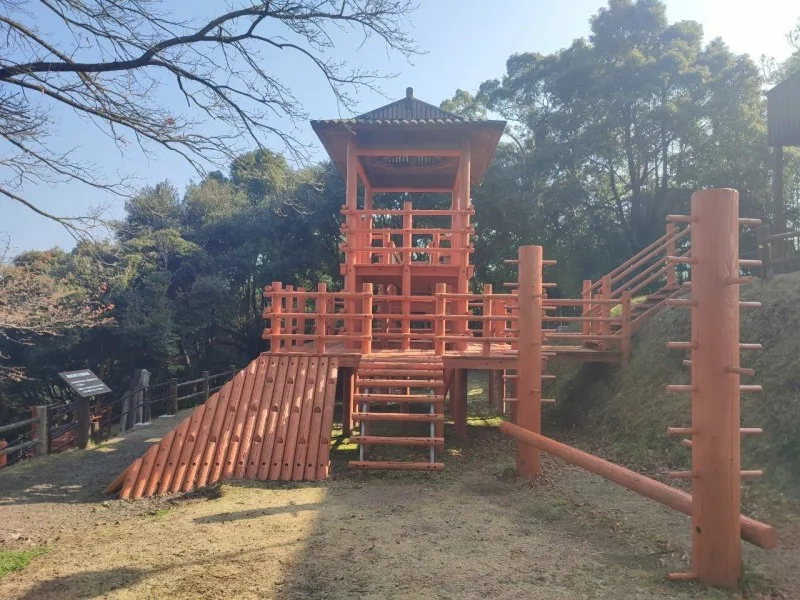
[(626, 411), (159, 513), (11, 560)]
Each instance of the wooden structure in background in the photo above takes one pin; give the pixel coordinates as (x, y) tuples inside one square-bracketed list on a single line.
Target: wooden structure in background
[(405, 330)]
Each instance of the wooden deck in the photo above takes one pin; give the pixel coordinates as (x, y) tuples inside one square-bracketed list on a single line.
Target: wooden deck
[(500, 357)]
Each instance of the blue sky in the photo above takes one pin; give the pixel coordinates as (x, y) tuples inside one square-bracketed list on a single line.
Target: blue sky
[(466, 42)]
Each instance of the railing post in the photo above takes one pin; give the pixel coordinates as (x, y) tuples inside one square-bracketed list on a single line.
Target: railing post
[(83, 417), (206, 386), (486, 326), (716, 460), (301, 322), (672, 280), (290, 321), (366, 321), (605, 309), (146, 409), (625, 329), (173, 397), (439, 328), (321, 324), (275, 318), (43, 430), (529, 357), (586, 294), (406, 284)]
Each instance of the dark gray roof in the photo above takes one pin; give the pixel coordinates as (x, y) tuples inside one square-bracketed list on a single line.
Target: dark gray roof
[(406, 111), (783, 113)]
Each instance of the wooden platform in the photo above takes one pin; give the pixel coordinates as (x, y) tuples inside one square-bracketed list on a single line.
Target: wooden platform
[(500, 357)]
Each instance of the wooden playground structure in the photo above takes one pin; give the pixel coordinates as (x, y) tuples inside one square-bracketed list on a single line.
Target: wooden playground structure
[(396, 343)]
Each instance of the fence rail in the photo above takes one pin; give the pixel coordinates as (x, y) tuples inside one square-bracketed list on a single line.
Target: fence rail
[(73, 424)]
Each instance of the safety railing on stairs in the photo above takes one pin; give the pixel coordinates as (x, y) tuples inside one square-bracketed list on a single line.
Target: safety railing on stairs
[(652, 273)]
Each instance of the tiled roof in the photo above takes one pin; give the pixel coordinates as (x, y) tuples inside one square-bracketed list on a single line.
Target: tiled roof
[(407, 111)]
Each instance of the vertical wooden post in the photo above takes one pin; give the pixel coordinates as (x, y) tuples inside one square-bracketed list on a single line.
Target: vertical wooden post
[(348, 391), (206, 386), (43, 431), (458, 404), (586, 294), (439, 328), (529, 357), (83, 417), (290, 321), (173, 397), (672, 280), (486, 329), (146, 405), (716, 527), (605, 309), (405, 288), (275, 318), (366, 322), (351, 240), (321, 308), (514, 314), (461, 241), (3, 457), (625, 328), (301, 322)]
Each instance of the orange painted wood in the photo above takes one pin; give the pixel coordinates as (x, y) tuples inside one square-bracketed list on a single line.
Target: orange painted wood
[(266, 371), (130, 479), (306, 461), (294, 388), (323, 458), (255, 444), (220, 398), (216, 430), (753, 531), (304, 397), (115, 485), (226, 429), (716, 496), (164, 446), (173, 456), (287, 369), (529, 357), (247, 407), (397, 466), (195, 420)]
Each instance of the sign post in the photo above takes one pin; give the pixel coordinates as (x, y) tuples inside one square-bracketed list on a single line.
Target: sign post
[(87, 385)]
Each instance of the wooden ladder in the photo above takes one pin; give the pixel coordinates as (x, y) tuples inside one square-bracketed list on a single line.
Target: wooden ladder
[(392, 389)]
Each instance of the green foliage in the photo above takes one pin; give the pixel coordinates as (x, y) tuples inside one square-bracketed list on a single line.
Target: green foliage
[(11, 560)]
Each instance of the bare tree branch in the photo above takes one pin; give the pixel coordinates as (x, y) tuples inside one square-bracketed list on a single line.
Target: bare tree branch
[(112, 61)]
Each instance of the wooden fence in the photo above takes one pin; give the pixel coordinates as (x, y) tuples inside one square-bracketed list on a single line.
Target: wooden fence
[(73, 424)]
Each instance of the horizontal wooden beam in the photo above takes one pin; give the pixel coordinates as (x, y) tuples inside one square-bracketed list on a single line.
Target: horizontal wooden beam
[(753, 531), (401, 151), (409, 190)]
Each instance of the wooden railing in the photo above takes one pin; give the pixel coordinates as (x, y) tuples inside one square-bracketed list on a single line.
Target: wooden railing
[(302, 321), (73, 424), (777, 250), (652, 268), (406, 244)]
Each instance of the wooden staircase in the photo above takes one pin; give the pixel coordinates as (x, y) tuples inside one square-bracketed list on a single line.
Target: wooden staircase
[(643, 311), (399, 388)]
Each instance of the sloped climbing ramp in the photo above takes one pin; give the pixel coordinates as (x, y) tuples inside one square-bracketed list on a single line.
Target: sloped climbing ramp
[(271, 422)]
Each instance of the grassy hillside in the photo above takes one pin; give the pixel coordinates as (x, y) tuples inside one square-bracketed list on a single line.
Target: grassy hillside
[(626, 411)]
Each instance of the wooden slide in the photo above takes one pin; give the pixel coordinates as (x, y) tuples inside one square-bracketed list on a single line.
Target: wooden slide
[(271, 422)]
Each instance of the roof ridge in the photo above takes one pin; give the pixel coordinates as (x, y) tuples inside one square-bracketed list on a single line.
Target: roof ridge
[(409, 108)]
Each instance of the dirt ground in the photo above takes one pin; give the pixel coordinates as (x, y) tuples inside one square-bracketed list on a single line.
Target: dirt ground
[(470, 532)]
